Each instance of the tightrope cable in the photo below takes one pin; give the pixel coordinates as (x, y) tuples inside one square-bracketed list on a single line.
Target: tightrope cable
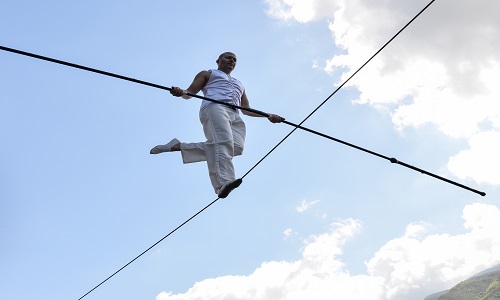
[(151, 247)]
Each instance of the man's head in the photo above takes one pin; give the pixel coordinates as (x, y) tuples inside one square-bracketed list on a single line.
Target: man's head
[(226, 62)]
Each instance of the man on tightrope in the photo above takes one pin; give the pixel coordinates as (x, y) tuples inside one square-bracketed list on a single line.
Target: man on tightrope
[(223, 127)]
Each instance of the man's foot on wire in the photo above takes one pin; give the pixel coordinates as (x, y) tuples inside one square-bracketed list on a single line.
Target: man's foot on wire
[(224, 191), (165, 148)]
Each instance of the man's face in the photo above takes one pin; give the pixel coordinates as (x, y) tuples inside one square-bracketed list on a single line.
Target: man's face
[(227, 62)]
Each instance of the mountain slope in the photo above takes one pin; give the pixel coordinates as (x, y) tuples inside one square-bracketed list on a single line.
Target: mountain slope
[(484, 287)]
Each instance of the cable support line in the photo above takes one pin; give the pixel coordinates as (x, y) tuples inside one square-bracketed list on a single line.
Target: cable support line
[(151, 247)]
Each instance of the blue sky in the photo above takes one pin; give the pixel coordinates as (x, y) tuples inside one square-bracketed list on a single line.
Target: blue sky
[(80, 195)]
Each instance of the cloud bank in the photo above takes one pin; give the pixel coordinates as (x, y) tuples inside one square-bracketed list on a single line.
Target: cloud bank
[(408, 267), (441, 71)]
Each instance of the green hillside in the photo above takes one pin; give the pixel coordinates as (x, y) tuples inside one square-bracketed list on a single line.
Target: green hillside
[(485, 287)]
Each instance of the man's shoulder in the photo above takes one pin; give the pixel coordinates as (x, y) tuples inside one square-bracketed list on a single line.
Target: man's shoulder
[(205, 73)]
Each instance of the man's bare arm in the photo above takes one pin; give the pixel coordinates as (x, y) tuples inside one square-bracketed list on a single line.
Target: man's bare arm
[(245, 103), (199, 81)]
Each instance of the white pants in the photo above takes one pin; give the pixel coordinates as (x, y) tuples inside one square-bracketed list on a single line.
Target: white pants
[(225, 132)]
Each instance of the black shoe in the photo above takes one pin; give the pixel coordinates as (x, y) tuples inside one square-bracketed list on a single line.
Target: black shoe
[(228, 187)]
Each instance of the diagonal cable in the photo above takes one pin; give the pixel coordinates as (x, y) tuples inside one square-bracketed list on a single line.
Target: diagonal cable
[(151, 247), (343, 84)]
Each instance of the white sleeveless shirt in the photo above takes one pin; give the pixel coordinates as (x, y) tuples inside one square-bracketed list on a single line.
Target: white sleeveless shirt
[(222, 87)]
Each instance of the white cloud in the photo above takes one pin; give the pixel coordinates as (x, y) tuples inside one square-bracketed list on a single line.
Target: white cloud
[(315, 64), (305, 205), (300, 10), (408, 264), (287, 233), (409, 267), (442, 70), (414, 230), (479, 163)]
